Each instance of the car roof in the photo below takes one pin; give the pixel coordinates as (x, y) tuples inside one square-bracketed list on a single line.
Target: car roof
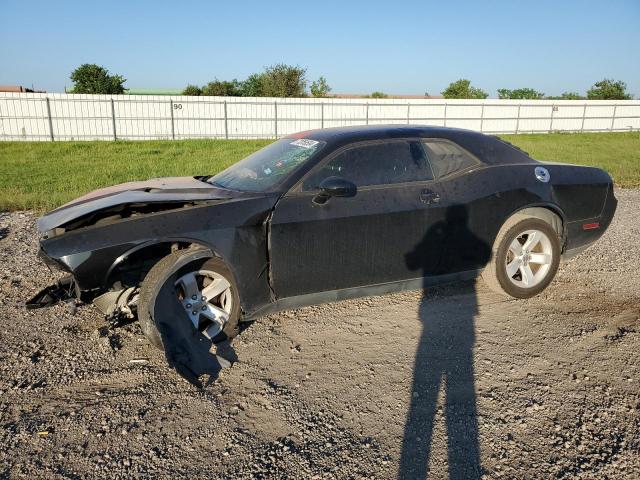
[(368, 132), (489, 149)]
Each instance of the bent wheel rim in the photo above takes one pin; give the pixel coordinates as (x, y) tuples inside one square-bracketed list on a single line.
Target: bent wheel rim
[(529, 258), (207, 300)]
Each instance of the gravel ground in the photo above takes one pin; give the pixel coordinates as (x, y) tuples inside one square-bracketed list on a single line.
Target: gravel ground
[(456, 381)]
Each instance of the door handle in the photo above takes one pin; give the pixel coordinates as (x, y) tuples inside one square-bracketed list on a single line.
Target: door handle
[(429, 196)]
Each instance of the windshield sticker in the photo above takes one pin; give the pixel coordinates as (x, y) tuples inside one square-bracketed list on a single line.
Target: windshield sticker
[(305, 143)]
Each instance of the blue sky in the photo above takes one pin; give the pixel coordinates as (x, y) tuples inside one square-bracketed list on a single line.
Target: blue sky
[(396, 47)]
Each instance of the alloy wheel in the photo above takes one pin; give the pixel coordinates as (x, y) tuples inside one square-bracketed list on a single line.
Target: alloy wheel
[(529, 258), (207, 300)]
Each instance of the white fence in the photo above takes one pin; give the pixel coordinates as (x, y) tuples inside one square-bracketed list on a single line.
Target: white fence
[(52, 117)]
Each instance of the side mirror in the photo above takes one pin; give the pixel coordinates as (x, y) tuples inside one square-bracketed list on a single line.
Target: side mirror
[(335, 187)]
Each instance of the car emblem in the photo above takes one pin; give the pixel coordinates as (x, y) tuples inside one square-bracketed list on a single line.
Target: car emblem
[(542, 174)]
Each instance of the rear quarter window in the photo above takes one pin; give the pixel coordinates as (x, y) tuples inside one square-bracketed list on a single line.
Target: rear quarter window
[(447, 158)]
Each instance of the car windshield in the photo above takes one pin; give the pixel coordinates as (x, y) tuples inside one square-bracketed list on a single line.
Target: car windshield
[(265, 169)]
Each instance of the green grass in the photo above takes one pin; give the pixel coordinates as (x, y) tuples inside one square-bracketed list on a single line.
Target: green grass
[(42, 175)]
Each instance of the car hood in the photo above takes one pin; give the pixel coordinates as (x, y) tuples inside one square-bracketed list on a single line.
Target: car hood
[(156, 190)]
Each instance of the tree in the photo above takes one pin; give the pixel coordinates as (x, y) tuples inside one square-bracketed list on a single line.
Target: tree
[(567, 96), (520, 94), (609, 90), (378, 95), (278, 80), (282, 80), (222, 88), (91, 78), (192, 90), (462, 89), (252, 86), (320, 88)]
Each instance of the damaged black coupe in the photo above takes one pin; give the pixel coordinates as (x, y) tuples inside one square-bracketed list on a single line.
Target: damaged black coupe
[(320, 216)]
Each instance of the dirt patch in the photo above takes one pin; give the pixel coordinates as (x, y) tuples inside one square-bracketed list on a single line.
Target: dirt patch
[(455, 381)]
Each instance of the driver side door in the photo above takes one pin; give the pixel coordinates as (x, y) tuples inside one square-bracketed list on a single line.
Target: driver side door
[(354, 241)]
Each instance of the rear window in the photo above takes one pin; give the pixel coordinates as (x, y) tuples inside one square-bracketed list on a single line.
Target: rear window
[(447, 158)]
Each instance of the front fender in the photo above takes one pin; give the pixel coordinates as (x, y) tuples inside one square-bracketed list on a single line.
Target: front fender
[(152, 244)]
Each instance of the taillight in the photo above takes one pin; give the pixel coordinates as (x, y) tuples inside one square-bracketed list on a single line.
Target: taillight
[(590, 226)]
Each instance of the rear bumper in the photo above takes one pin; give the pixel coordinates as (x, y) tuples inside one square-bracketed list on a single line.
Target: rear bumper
[(581, 234)]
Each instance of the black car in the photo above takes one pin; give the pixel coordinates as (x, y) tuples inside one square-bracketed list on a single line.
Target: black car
[(319, 216)]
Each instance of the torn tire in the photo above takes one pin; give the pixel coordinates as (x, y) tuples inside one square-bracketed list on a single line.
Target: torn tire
[(204, 288)]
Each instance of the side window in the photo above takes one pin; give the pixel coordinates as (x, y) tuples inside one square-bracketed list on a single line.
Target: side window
[(447, 158), (376, 164)]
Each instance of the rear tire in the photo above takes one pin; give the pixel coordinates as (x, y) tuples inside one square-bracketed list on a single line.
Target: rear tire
[(525, 257), (213, 269)]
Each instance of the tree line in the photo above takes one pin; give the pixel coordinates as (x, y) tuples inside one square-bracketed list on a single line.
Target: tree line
[(606, 89), (281, 80), (278, 80)]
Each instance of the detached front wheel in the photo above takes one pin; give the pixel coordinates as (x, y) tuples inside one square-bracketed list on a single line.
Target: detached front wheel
[(525, 258), (206, 292)]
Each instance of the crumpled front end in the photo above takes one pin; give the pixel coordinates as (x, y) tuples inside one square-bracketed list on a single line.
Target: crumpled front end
[(110, 251), (78, 238), (66, 288)]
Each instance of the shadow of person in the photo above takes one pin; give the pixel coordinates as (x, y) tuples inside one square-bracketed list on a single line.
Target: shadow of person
[(444, 356)]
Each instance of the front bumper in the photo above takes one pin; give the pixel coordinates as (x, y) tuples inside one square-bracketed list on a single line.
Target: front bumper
[(62, 291)]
